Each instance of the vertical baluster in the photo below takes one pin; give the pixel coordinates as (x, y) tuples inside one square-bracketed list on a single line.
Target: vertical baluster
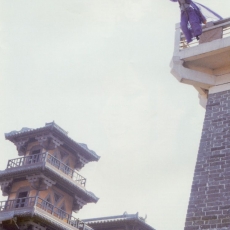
[(45, 156), (37, 201), (84, 182)]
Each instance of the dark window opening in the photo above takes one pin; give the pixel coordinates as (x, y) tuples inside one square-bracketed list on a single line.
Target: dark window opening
[(37, 151), (34, 157), (21, 199)]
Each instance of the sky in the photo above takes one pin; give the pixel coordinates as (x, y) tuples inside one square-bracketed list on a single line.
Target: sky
[(100, 70)]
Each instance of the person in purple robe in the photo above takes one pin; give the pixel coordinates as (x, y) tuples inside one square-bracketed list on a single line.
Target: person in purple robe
[(193, 14)]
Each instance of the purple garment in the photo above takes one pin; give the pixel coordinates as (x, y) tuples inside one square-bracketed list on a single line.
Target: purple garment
[(193, 17), (190, 17)]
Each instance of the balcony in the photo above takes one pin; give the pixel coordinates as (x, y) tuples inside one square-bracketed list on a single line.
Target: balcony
[(204, 64), (222, 25), (41, 208), (46, 158)]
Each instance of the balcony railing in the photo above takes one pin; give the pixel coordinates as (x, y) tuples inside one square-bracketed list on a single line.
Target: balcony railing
[(182, 44), (47, 158), (30, 202)]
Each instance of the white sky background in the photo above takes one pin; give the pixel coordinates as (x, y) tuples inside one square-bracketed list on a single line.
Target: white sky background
[(100, 70)]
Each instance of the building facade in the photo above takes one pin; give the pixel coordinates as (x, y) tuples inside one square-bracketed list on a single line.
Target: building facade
[(43, 185)]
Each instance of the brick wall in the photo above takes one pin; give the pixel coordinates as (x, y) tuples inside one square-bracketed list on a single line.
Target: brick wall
[(209, 205)]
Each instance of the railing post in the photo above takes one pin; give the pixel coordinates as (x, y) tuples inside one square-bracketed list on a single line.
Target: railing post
[(8, 164), (177, 40), (35, 202), (46, 155), (45, 159), (84, 182)]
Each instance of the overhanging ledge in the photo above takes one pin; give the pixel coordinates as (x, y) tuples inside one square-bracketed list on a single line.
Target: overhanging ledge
[(204, 66)]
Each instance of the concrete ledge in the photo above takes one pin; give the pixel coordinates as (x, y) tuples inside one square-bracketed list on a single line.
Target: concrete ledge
[(219, 88)]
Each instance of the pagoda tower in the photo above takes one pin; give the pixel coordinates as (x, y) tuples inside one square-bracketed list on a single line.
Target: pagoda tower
[(206, 66), (43, 185)]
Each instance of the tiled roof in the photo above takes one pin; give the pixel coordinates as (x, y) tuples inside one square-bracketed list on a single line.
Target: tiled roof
[(50, 126), (117, 219)]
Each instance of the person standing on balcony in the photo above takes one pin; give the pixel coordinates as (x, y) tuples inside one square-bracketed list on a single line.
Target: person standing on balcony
[(192, 17)]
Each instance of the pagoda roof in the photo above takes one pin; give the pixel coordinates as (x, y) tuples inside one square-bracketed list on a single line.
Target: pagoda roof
[(111, 221), (53, 128)]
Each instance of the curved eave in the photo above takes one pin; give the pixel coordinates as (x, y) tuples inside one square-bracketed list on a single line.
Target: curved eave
[(106, 224), (89, 154), (69, 185)]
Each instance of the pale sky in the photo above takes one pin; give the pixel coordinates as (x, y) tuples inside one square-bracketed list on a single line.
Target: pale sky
[(100, 70)]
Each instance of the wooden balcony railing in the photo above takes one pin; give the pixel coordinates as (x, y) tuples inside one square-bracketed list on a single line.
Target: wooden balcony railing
[(29, 202), (47, 158)]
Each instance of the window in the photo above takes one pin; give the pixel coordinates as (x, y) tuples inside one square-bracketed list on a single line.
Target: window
[(36, 151), (34, 154), (22, 199)]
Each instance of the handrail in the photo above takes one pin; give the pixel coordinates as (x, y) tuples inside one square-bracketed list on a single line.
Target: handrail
[(48, 158), (66, 169), (28, 202), (224, 24), (21, 161)]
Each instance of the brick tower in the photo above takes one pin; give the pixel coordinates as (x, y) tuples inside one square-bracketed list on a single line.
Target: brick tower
[(206, 66), (43, 185)]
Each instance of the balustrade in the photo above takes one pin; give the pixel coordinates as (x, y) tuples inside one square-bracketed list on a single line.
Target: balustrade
[(224, 24), (29, 202), (47, 158)]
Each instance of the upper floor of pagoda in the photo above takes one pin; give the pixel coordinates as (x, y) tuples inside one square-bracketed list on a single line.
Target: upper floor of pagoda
[(51, 138)]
